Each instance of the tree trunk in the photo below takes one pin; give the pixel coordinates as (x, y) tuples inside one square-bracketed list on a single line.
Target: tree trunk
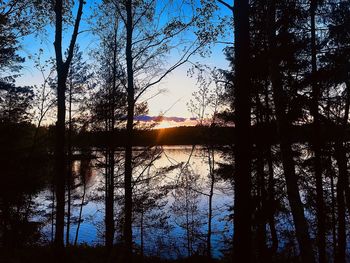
[(261, 203), (188, 227), (334, 204), (271, 205), (69, 168), (316, 143), (342, 167), (211, 160), (242, 207), (345, 123), (53, 214), (60, 163), (261, 215), (62, 69), (81, 210), (110, 200), (343, 191), (110, 152), (141, 234), (129, 131)]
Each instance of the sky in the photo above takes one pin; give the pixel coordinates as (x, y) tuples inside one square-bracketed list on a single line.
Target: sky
[(177, 87)]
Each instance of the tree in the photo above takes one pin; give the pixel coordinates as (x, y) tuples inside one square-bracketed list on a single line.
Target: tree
[(110, 106), (8, 40), (242, 107), (321, 235), (302, 231), (77, 81), (15, 103), (18, 18), (84, 171), (44, 94), (204, 107), (150, 197), (186, 209), (62, 68), (146, 43), (335, 74)]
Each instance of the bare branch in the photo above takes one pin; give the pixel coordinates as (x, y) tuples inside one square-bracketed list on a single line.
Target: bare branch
[(184, 58), (75, 32), (226, 4)]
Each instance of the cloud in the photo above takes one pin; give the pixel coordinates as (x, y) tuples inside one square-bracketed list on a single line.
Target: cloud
[(176, 119), (143, 118), (147, 118)]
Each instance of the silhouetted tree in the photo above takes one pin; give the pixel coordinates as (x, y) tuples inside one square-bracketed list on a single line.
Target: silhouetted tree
[(62, 68), (187, 210), (242, 107), (283, 125)]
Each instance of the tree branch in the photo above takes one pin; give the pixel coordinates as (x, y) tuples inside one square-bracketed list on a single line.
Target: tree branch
[(226, 4), (75, 33), (185, 57)]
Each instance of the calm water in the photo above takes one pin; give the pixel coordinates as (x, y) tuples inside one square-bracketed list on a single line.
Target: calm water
[(157, 171)]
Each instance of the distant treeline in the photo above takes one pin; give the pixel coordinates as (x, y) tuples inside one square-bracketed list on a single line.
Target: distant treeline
[(201, 135), (184, 135)]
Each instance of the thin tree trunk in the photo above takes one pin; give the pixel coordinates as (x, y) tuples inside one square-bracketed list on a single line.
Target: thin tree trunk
[(261, 208), (316, 143), (271, 205), (333, 205), (106, 185), (69, 168), (142, 237), (343, 191), (129, 131), (53, 215), (81, 210), (188, 230), (261, 211), (111, 163), (110, 201), (342, 167), (345, 124), (211, 161), (112, 150), (242, 207)]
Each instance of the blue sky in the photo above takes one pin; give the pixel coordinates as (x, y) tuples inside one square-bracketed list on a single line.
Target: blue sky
[(178, 87)]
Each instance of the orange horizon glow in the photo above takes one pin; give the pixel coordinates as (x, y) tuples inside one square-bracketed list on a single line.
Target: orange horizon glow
[(164, 124)]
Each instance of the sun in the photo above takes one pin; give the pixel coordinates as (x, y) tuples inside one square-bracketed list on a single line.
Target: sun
[(164, 125)]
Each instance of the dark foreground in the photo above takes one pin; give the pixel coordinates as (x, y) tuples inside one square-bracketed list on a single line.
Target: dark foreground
[(87, 254), (83, 254)]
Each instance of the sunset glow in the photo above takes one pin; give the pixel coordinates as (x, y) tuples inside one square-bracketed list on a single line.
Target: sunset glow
[(174, 131), (166, 124)]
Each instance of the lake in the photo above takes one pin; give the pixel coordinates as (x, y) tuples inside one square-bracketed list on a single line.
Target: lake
[(171, 185)]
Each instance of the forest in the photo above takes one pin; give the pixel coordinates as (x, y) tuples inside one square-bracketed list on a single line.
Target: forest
[(105, 157)]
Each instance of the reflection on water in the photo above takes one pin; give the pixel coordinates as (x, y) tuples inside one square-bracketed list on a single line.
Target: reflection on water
[(171, 188)]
